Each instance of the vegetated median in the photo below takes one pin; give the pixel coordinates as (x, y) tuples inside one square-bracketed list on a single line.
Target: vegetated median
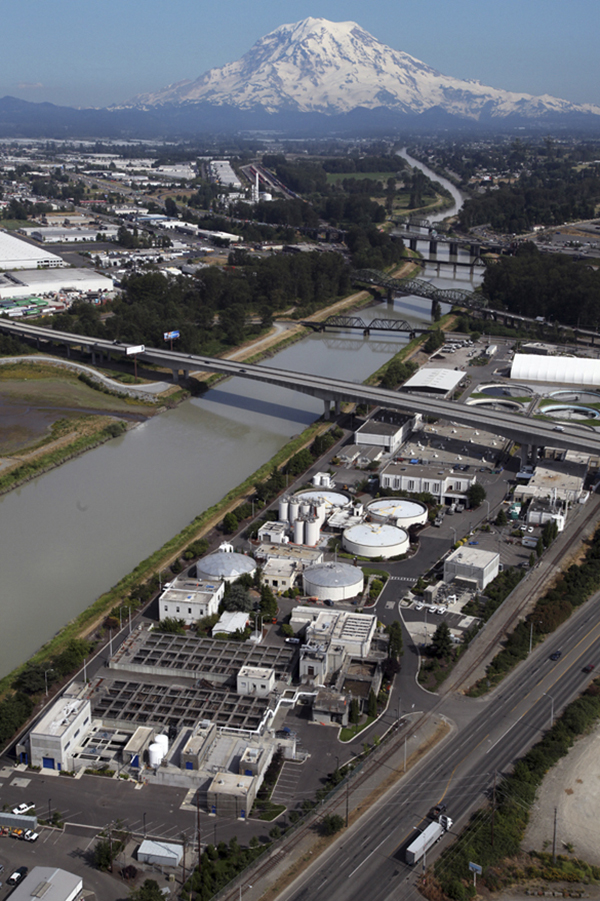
[(570, 590)]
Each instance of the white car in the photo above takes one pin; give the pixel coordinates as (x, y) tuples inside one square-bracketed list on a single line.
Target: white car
[(433, 609), (418, 606), (452, 598), (23, 808), (31, 836), (442, 610)]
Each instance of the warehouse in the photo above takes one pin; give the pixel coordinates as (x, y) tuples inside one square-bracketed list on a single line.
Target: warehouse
[(37, 282), (18, 254), (439, 382), (555, 370), (49, 883)]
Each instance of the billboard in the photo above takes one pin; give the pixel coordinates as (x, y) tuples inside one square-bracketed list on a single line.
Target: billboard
[(169, 336), (135, 349)]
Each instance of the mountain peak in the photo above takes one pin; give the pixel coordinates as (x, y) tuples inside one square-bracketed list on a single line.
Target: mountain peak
[(334, 68)]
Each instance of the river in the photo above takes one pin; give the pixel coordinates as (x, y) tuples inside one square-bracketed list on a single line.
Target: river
[(71, 534)]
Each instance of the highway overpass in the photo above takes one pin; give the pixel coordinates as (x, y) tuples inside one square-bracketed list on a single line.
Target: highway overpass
[(526, 432)]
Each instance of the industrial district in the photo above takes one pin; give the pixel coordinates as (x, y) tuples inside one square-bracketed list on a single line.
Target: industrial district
[(407, 519)]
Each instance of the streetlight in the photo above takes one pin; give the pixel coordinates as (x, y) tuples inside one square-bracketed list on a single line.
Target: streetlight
[(488, 508), (551, 708), (46, 671), (124, 607), (453, 530), (538, 623)]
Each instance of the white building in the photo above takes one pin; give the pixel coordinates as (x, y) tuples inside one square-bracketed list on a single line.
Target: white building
[(472, 564), (230, 623), (445, 485), (555, 370), (49, 883), (18, 254), (190, 600), (26, 283), (434, 381), (53, 740), (386, 435), (256, 681)]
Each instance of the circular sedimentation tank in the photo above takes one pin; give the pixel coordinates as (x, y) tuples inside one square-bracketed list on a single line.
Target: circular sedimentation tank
[(374, 539), (406, 512)]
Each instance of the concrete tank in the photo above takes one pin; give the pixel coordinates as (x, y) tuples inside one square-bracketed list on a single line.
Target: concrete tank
[(305, 508), (298, 531), (311, 531), (333, 581), (406, 512), (372, 539), (155, 754), (293, 509), (284, 503), (317, 479), (320, 510)]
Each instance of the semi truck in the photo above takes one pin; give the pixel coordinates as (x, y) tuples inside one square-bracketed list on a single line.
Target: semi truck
[(426, 840)]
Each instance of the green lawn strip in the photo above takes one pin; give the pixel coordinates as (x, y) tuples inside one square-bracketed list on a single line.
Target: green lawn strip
[(161, 557), (572, 588), (347, 733), (515, 796)]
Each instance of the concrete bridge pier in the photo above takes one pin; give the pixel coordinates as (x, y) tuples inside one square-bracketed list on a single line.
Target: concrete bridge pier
[(68, 347), (474, 250), (337, 407), (433, 246), (175, 375), (327, 408), (412, 243), (453, 249)]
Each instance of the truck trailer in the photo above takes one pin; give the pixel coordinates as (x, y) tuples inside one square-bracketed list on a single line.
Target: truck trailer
[(426, 840)]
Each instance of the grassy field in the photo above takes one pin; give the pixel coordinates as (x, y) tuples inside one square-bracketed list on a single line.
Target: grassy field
[(334, 177)]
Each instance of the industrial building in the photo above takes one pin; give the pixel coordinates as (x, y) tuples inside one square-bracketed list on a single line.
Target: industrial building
[(58, 235), (446, 485), (555, 480), (49, 883), (37, 282), (190, 600), (437, 382), (555, 370), (283, 564), (387, 433), (473, 566), (160, 854), (53, 739), (18, 254)]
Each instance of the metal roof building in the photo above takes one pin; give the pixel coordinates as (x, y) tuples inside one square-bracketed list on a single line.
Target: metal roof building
[(555, 370), (49, 883), (18, 254), (430, 380), (41, 281)]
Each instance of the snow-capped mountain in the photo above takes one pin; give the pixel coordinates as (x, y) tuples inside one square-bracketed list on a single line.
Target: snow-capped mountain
[(334, 68)]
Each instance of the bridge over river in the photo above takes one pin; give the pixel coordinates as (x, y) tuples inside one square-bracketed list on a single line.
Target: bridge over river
[(526, 432)]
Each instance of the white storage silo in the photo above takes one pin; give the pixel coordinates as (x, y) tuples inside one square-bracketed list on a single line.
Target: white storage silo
[(293, 509), (155, 754), (298, 531), (305, 508), (312, 531), (320, 509), (163, 741), (284, 503), (317, 479)]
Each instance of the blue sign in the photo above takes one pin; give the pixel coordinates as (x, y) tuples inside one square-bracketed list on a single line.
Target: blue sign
[(475, 868), (168, 336)]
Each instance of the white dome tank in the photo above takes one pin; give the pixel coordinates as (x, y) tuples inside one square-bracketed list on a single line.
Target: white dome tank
[(372, 539), (155, 755), (284, 503), (293, 509), (406, 512), (298, 531), (311, 531), (224, 565), (333, 581)]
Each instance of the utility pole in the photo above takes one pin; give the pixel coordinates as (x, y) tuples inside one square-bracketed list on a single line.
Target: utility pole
[(347, 797), (198, 831), (493, 807), (554, 840)]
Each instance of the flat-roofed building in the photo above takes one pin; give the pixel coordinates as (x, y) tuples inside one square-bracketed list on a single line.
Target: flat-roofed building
[(53, 740), (445, 485), (190, 600), (434, 381), (472, 565), (387, 435), (231, 795), (18, 254), (49, 883), (255, 680)]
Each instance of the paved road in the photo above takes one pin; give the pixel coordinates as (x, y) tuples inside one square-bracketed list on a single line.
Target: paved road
[(367, 862)]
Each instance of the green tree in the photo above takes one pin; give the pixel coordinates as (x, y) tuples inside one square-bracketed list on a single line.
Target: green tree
[(237, 598), (354, 714), (434, 341), (268, 602), (331, 824), (501, 518), (476, 495), (230, 523), (149, 890), (442, 642), (539, 549), (394, 630), (531, 560), (171, 625), (372, 704), (436, 310)]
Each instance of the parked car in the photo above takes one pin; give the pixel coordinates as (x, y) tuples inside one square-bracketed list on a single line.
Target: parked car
[(16, 877), (292, 641), (31, 836), (23, 809)]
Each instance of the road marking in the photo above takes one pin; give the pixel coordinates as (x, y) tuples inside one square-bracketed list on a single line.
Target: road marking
[(367, 857), (505, 733)]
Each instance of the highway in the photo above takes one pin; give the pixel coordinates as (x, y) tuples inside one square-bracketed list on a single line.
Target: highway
[(513, 427), (490, 734)]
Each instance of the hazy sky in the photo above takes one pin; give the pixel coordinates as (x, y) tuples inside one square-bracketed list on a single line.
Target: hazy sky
[(99, 52)]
